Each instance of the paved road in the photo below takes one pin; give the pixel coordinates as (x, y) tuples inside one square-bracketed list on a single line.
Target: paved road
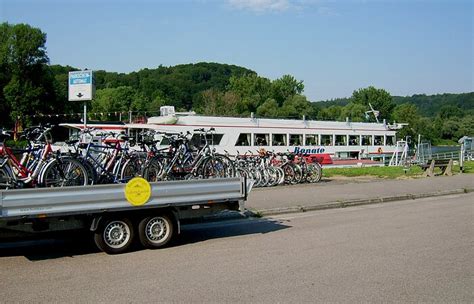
[(410, 251), (332, 191)]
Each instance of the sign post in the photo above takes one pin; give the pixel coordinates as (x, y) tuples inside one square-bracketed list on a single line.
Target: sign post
[(81, 88)]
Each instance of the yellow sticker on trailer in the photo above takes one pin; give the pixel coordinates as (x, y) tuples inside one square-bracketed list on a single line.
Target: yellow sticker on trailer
[(137, 191)]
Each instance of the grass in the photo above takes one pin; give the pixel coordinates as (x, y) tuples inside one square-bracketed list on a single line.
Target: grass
[(468, 167), (389, 172)]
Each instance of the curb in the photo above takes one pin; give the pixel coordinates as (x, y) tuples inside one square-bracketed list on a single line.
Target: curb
[(356, 202)]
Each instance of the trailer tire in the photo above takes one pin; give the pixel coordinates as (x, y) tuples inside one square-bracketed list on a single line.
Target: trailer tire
[(156, 231), (114, 235)]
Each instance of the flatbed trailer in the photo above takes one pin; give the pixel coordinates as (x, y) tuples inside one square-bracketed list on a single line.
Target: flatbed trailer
[(114, 217)]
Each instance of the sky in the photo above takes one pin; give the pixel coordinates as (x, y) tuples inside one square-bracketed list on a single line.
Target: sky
[(334, 47)]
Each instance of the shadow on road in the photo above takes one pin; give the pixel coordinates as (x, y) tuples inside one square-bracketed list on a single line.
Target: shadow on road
[(203, 232), (77, 243), (49, 245)]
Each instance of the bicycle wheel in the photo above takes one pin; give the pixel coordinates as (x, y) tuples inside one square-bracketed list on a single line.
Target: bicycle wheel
[(153, 171), (315, 172), (273, 176), (229, 165), (91, 171), (213, 168), (243, 172), (280, 175), (298, 174), (131, 168), (256, 176), (63, 173), (6, 178), (289, 174)]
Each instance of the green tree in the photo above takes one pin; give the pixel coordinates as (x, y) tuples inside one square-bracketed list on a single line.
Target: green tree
[(295, 107), (330, 113), (355, 112), (252, 90), (285, 87), (379, 99), (26, 84), (449, 111), (111, 100), (466, 127), (268, 109), (408, 113), (215, 102)]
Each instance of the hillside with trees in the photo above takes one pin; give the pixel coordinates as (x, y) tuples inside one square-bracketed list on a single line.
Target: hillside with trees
[(33, 91)]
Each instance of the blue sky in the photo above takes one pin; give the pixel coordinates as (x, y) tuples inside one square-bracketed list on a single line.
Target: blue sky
[(335, 47)]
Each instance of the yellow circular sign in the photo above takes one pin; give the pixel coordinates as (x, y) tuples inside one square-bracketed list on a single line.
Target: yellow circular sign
[(137, 191)]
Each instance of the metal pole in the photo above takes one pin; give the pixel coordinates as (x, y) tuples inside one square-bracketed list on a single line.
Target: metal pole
[(85, 114)]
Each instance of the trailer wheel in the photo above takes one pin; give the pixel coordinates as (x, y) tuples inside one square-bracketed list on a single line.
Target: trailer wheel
[(114, 236), (156, 231)]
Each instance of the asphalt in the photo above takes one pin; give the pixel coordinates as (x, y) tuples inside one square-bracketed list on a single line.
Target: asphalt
[(403, 252), (338, 193)]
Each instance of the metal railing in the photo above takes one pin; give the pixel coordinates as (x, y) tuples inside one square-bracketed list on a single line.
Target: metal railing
[(454, 155)]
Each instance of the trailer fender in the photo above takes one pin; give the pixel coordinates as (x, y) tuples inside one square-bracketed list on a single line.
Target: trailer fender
[(175, 215), (95, 223)]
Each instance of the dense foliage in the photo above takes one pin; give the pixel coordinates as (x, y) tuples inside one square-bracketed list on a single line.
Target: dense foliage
[(441, 118), (33, 91)]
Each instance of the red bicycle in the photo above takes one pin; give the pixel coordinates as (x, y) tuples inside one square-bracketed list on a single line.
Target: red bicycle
[(39, 166)]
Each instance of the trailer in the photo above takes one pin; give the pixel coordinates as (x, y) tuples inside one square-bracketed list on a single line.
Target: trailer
[(119, 214)]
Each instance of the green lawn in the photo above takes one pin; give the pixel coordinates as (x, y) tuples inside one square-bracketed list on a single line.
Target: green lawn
[(388, 172), (468, 167)]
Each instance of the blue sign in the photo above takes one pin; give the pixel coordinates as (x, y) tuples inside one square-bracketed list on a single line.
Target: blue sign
[(81, 85), (80, 78)]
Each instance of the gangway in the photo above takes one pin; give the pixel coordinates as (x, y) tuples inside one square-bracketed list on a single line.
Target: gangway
[(423, 153), (400, 156)]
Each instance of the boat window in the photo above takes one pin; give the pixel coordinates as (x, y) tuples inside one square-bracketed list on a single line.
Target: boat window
[(311, 140), (296, 139), (244, 139), (366, 140), (378, 140), (326, 140), (279, 139), (354, 140), (262, 139), (390, 141), (198, 140), (341, 140)]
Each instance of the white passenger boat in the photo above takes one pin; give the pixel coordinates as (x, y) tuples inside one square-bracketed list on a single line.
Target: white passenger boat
[(236, 135)]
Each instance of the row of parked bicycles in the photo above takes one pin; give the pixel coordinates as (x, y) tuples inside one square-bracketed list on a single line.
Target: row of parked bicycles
[(117, 158)]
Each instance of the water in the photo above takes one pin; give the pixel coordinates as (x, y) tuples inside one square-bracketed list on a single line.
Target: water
[(445, 149)]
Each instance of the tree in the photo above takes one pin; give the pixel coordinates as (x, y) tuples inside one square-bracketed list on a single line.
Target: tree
[(285, 87), (355, 112), (449, 111), (295, 107), (252, 89), (268, 109), (111, 100), (215, 102), (408, 113), (330, 113), (26, 84), (379, 99)]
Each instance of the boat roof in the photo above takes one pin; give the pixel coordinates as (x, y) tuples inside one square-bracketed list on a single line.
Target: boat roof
[(249, 122), (106, 125)]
